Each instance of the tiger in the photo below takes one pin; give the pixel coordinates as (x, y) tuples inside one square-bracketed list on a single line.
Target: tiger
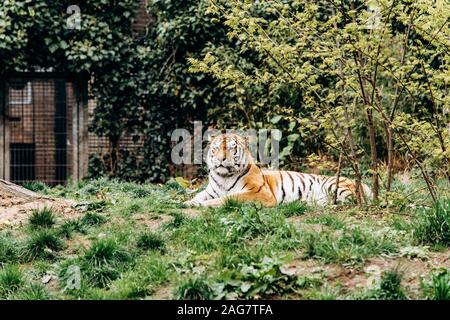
[(234, 174)]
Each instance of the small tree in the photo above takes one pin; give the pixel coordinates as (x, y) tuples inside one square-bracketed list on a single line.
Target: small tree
[(375, 75)]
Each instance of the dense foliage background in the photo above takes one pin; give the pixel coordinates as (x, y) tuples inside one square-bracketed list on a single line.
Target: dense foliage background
[(366, 83)]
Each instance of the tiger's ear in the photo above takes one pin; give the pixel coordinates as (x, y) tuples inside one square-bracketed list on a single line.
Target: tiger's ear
[(211, 133)]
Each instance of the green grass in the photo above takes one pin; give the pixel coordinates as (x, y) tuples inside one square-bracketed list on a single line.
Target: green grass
[(151, 241), (93, 219), (432, 226), (33, 291), (42, 218), (438, 287), (194, 289), (390, 286), (8, 249), (42, 244), (133, 241), (11, 279), (351, 246)]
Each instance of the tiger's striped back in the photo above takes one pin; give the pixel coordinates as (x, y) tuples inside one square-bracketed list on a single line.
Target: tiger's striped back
[(288, 186)]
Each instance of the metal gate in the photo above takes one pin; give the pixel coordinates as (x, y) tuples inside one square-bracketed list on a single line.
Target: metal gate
[(43, 129)]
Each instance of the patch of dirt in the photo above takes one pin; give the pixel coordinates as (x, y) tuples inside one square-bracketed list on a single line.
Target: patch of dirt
[(77, 243), (359, 278), (162, 293), (14, 211), (152, 221), (191, 213)]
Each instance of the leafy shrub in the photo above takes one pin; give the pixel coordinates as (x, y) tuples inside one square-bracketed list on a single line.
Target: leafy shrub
[(433, 226), (257, 280)]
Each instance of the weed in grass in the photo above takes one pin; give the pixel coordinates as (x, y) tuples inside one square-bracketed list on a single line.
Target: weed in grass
[(92, 219), (89, 206), (34, 291), (42, 244), (194, 289), (295, 208), (104, 261), (264, 278), (35, 186), (106, 251), (351, 246), (176, 222), (11, 279), (432, 226), (327, 220), (139, 282), (42, 218), (69, 227), (438, 288), (151, 241), (390, 286), (8, 250), (250, 220)]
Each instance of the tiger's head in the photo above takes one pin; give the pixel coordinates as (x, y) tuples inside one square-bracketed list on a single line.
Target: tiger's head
[(228, 155)]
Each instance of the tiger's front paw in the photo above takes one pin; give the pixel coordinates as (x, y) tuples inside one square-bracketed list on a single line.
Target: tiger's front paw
[(192, 203)]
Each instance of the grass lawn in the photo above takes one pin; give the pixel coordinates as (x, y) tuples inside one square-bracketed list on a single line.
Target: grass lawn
[(133, 241)]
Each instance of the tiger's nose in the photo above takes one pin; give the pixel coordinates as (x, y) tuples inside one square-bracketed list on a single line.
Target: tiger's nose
[(221, 156)]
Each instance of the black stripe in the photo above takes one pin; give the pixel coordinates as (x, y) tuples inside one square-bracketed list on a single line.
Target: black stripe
[(301, 179), (310, 184), (343, 190), (217, 194), (209, 194), (260, 188), (282, 188), (300, 195), (245, 186), (240, 176), (292, 180), (215, 181), (329, 188)]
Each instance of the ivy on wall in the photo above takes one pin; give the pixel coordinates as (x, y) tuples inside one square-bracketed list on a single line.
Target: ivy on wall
[(142, 86)]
